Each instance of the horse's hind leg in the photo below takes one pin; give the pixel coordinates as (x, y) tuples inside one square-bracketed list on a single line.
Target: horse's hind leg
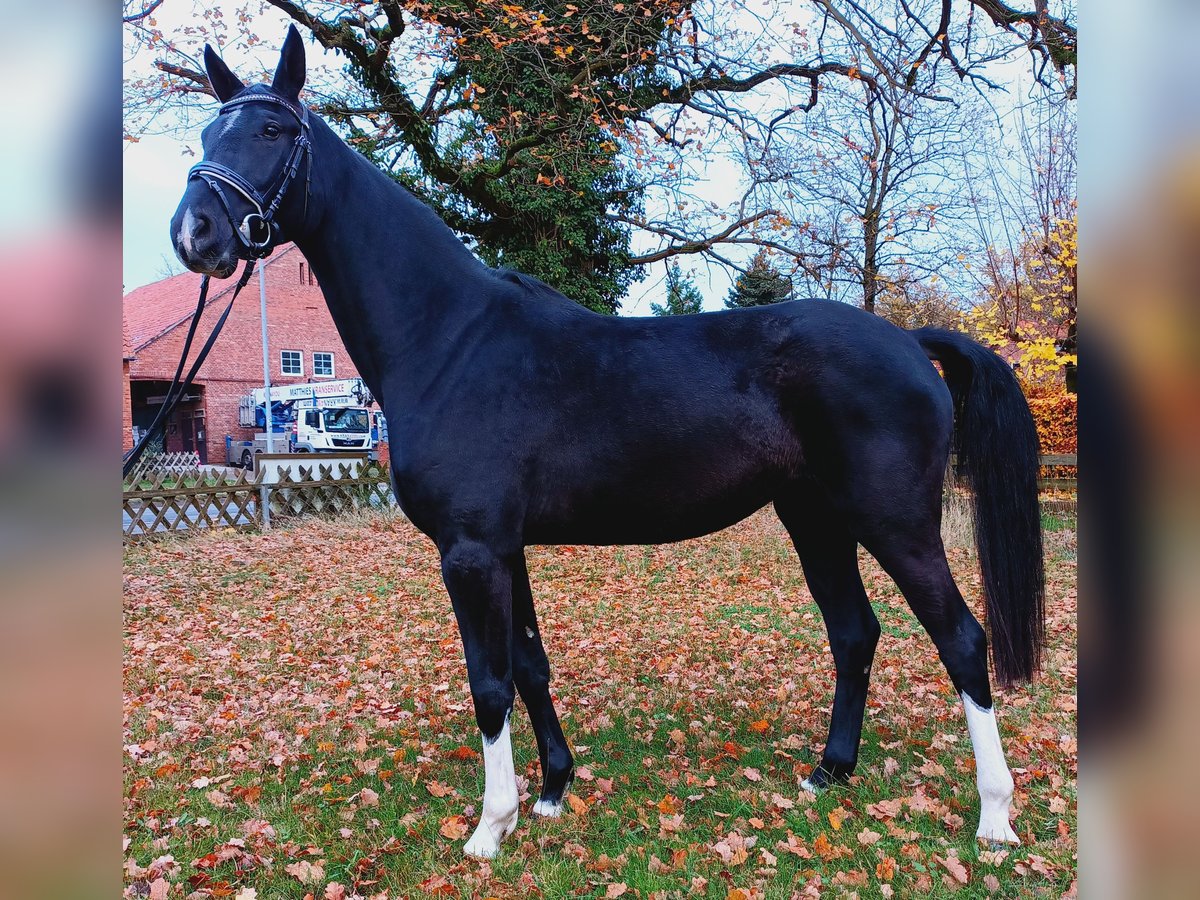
[(916, 560), (531, 672), (829, 556)]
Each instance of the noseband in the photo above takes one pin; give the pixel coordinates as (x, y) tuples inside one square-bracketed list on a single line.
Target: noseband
[(258, 231)]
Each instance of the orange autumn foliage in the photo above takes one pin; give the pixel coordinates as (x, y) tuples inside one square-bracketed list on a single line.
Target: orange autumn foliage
[(1056, 416)]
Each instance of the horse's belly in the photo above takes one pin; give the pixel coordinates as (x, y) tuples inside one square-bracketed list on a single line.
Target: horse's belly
[(632, 516)]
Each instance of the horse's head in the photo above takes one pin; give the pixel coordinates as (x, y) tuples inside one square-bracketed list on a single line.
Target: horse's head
[(237, 199)]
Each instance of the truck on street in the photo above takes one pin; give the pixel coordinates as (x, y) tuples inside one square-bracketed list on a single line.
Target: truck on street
[(316, 417)]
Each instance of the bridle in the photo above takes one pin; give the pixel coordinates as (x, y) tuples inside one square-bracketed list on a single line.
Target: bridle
[(258, 232)]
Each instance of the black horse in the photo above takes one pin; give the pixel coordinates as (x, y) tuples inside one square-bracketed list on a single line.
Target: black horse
[(518, 417)]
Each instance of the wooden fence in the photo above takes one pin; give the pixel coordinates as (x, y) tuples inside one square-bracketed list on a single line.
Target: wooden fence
[(174, 502), (1057, 484), (158, 462), (171, 499)]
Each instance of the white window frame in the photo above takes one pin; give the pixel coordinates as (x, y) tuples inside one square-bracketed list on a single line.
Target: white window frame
[(283, 366), (332, 373)]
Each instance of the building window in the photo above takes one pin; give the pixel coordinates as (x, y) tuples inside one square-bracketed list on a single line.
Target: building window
[(323, 364), (291, 362)]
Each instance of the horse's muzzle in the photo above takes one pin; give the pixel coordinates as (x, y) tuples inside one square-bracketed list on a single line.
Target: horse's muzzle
[(204, 243)]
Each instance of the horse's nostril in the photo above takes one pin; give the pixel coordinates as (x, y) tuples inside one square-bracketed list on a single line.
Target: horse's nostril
[(201, 225)]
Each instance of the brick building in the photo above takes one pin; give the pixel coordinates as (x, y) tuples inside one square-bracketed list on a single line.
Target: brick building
[(304, 347)]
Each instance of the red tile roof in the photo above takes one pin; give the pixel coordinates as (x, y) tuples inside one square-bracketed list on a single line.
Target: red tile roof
[(155, 309)]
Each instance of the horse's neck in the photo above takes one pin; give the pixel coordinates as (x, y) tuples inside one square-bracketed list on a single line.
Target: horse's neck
[(397, 280)]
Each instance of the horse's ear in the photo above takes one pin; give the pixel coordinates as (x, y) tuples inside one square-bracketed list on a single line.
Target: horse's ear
[(289, 76), (224, 83)]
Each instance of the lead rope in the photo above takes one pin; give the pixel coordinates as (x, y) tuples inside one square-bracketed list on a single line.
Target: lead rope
[(177, 390)]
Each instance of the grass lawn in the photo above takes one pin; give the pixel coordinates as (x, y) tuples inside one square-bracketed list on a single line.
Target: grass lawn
[(297, 723)]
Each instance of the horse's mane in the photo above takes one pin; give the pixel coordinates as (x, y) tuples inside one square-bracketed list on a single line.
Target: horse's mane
[(534, 286)]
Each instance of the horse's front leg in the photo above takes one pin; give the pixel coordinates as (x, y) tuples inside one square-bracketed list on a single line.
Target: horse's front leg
[(480, 584)]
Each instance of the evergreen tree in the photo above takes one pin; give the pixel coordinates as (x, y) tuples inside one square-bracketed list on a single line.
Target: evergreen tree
[(683, 297), (761, 284)]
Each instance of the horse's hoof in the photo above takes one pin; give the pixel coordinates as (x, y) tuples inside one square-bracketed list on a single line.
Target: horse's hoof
[(480, 849), (485, 842), (548, 809), (997, 837), (820, 779)]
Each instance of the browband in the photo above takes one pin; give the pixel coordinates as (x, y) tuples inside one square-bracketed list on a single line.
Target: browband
[(300, 112)]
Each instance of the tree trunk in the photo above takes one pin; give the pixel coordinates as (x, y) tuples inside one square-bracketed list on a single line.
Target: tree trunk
[(870, 270)]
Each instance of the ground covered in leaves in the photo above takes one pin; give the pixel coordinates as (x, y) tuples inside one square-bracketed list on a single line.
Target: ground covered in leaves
[(297, 724)]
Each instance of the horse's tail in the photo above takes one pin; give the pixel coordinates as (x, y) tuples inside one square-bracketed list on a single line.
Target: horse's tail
[(997, 445)]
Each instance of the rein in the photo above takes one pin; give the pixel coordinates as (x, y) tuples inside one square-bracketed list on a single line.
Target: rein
[(258, 233), (177, 390)]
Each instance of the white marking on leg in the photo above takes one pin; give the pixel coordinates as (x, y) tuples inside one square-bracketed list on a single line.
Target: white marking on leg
[(547, 809), (500, 798), (810, 787), (186, 236), (994, 780)]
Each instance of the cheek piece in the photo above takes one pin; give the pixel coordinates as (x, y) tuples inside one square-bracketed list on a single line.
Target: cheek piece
[(258, 231)]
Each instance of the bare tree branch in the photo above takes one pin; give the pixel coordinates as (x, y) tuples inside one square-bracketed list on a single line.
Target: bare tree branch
[(684, 246), (138, 16)]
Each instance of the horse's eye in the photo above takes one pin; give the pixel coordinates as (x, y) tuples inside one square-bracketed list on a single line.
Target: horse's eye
[(272, 130)]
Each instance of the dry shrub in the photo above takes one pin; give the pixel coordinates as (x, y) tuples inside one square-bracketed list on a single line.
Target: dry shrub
[(958, 531)]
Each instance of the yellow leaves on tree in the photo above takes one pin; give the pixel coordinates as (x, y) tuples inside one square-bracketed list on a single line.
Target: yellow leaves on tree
[(1029, 305)]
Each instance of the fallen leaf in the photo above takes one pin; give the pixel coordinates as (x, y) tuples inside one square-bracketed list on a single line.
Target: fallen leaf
[(867, 837), (616, 889), (454, 828), (733, 848), (885, 809), (781, 801), (824, 847), (438, 886), (368, 797), (952, 865), (668, 805), (306, 872)]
